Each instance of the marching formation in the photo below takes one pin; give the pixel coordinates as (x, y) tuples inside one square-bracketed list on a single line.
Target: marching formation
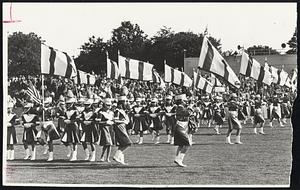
[(94, 119)]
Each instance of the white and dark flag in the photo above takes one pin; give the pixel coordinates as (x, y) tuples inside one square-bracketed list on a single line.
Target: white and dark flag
[(201, 83), (112, 69), (177, 77), (214, 80), (211, 60), (158, 79), (54, 62), (135, 69), (282, 77), (251, 68), (84, 78)]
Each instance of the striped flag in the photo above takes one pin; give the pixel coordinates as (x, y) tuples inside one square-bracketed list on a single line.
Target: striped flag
[(33, 93), (210, 60), (84, 78), (274, 74), (282, 77), (177, 77), (158, 79), (134, 69), (201, 83), (288, 82), (55, 62), (214, 80), (112, 69), (251, 68)]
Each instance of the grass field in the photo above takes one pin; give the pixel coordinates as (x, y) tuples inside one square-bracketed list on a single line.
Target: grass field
[(261, 160)]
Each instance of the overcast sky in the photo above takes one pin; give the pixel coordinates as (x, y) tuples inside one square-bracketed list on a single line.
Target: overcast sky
[(66, 26)]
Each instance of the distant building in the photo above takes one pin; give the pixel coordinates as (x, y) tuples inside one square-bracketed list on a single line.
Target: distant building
[(289, 62)]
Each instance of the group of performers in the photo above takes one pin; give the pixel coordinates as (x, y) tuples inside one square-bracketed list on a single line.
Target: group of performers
[(92, 121)]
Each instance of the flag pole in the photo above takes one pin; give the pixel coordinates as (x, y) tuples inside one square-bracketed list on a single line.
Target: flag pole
[(43, 94)]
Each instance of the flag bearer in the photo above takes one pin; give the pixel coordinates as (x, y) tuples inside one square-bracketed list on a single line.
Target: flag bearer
[(11, 131), (29, 120), (121, 119), (233, 121), (258, 115), (170, 121), (181, 138), (70, 136), (155, 118)]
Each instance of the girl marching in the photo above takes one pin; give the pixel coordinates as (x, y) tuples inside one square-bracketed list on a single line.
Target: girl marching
[(258, 115), (155, 118), (218, 115), (11, 131), (169, 118)]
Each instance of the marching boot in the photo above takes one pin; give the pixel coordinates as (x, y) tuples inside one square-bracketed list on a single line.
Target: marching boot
[(153, 136), (117, 156), (74, 156), (93, 157), (8, 155), (27, 151), (261, 131), (157, 140), (254, 130), (228, 140), (50, 157), (178, 160), (33, 153), (169, 138), (238, 140), (271, 124), (123, 159), (172, 140), (87, 154), (46, 150), (140, 140), (12, 154), (69, 151)]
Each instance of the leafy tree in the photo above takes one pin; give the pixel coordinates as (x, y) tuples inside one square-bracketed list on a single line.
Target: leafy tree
[(24, 52), (92, 57), (130, 40), (293, 43), (261, 50)]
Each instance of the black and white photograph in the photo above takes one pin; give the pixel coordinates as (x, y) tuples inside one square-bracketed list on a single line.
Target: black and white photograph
[(161, 94)]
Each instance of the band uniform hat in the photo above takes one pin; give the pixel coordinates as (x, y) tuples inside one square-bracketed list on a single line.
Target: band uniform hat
[(181, 97)]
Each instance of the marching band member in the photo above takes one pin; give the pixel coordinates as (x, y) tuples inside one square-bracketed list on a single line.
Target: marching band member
[(48, 127), (170, 121), (80, 107), (192, 126), (139, 119), (70, 135), (275, 110), (219, 114), (246, 110), (286, 105), (233, 121), (241, 116), (105, 118), (97, 106), (181, 138), (30, 119), (121, 119), (11, 131), (206, 105), (155, 118), (90, 133), (258, 115)]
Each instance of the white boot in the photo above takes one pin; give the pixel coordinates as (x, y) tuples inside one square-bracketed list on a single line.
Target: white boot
[(93, 157), (27, 151), (254, 130), (33, 153), (238, 140), (141, 140), (74, 156), (117, 156), (123, 159), (69, 151), (178, 160), (172, 140), (271, 124), (157, 140), (50, 157), (153, 136), (12, 154), (228, 140), (8, 155), (261, 131), (169, 138), (87, 154), (46, 150)]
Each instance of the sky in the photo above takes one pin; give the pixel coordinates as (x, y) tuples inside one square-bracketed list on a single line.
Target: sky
[(67, 26)]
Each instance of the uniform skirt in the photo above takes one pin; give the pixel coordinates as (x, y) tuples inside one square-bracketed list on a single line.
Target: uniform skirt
[(170, 123), (121, 135), (140, 124), (181, 137), (241, 115), (29, 135), (70, 134), (218, 118), (233, 121), (258, 116), (155, 124), (107, 136), (51, 133), (89, 133), (206, 114), (61, 125), (11, 136)]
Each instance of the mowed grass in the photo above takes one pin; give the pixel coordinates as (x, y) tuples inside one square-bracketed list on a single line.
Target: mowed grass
[(261, 160)]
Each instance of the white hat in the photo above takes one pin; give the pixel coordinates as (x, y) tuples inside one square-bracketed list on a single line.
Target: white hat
[(169, 97), (219, 98), (257, 96), (181, 97), (122, 98), (89, 101), (71, 100)]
